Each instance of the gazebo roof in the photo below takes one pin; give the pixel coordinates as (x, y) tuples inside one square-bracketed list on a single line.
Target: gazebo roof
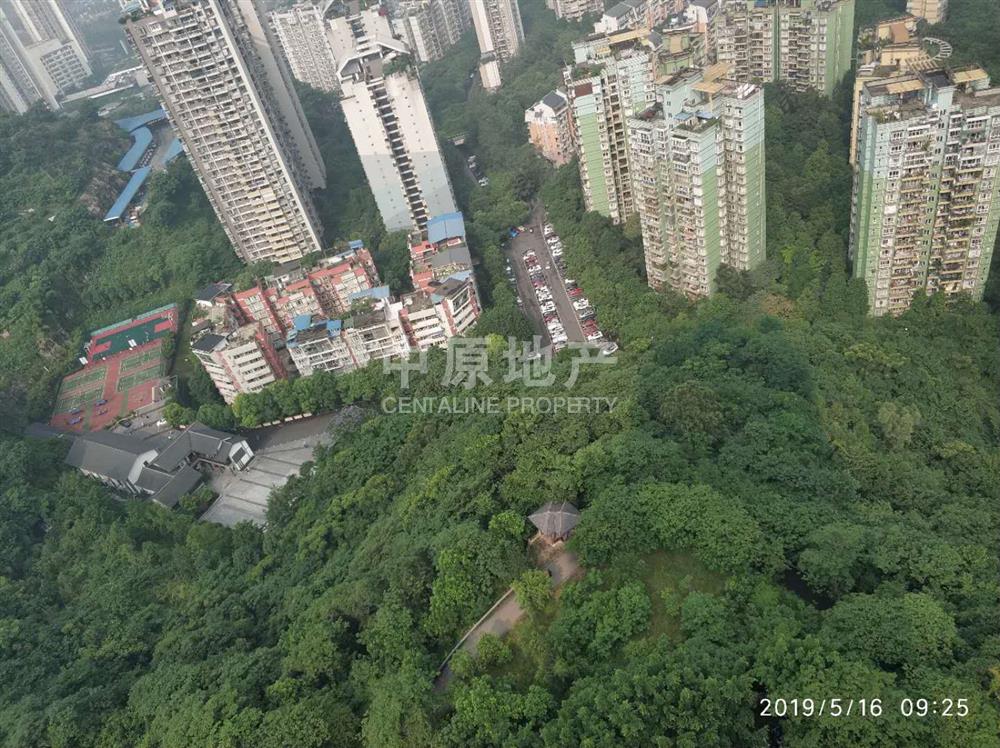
[(556, 518)]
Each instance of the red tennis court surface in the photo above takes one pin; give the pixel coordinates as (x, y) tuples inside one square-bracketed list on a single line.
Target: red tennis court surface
[(118, 378)]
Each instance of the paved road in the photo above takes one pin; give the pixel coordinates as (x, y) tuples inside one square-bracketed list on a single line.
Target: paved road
[(279, 452), (536, 241)]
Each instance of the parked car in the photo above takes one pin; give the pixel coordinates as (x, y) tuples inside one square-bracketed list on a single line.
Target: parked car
[(608, 348), (595, 337), (581, 303), (576, 292)]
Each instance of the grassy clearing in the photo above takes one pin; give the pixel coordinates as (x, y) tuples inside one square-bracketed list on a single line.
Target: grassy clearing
[(668, 578)]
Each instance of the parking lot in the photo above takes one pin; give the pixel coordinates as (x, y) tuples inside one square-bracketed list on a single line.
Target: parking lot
[(555, 304)]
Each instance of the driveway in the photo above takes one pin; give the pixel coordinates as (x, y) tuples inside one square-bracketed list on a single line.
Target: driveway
[(564, 307)]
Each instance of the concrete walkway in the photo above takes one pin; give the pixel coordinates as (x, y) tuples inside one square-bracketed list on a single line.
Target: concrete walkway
[(279, 452), (506, 612)]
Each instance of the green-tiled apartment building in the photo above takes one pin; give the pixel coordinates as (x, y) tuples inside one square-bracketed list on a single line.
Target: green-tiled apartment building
[(698, 179)]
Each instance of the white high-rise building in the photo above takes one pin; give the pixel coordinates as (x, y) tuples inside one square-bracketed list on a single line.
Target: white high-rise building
[(42, 56), (383, 102), (302, 33), (232, 102), (500, 34)]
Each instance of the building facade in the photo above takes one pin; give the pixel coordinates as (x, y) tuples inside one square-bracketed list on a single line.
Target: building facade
[(243, 359), (290, 291), (925, 208), (431, 27), (698, 173), (932, 11), (232, 102), (636, 14), (384, 104), (805, 43), (575, 10), (611, 81), (432, 319), (889, 49), (550, 128), (42, 55), (302, 33), (500, 33)]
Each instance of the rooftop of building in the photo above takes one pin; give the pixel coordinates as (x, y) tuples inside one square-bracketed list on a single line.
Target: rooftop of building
[(451, 286), (446, 226), (108, 454), (212, 291), (316, 329), (623, 8), (208, 342), (555, 100), (971, 84), (417, 301)]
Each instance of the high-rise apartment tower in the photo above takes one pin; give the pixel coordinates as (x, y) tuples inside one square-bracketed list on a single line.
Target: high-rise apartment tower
[(384, 105), (611, 81), (231, 100), (302, 33), (805, 43), (42, 55), (500, 34), (697, 159), (926, 202)]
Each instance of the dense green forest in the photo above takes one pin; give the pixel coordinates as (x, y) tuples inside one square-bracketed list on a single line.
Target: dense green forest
[(62, 271), (790, 499)]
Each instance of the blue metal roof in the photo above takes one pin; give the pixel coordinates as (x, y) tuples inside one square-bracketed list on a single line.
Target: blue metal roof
[(128, 124), (447, 226), (142, 137), (379, 292), (356, 244), (174, 150), (302, 321), (139, 176), (334, 325)]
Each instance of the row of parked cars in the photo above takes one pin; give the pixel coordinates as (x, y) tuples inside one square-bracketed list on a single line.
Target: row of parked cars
[(557, 332), (581, 305)]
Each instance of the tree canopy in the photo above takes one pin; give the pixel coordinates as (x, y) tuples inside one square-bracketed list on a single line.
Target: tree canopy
[(790, 499)]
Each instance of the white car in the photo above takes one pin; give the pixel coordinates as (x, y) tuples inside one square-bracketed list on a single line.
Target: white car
[(596, 336), (557, 341), (608, 348), (581, 303)]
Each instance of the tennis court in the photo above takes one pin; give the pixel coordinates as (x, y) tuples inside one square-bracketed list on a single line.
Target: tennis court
[(71, 384), (70, 402), (130, 381), (125, 371), (135, 362), (132, 333)]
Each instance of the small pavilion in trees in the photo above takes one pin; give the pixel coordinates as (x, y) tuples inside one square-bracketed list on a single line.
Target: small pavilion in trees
[(556, 520)]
